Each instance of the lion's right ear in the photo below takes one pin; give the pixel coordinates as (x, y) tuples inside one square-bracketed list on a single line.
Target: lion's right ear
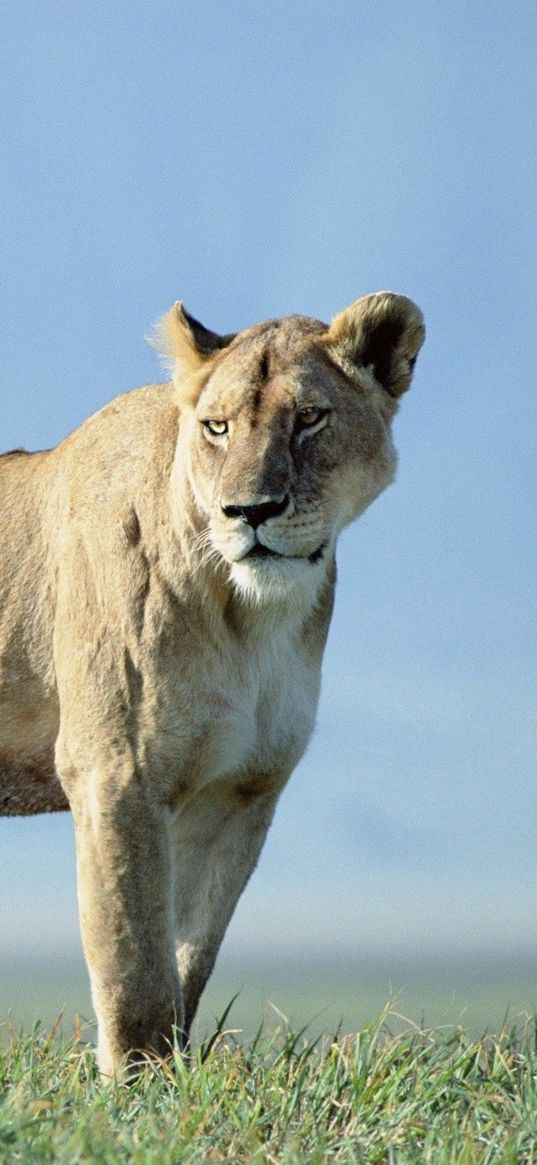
[(186, 345)]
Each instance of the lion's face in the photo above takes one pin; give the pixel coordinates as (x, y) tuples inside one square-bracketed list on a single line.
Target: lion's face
[(286, 438)]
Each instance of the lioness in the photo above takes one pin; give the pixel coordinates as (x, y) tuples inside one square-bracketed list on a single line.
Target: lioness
[(166, 585)]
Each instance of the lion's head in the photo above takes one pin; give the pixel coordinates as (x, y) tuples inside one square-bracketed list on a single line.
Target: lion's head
[(285, 431)]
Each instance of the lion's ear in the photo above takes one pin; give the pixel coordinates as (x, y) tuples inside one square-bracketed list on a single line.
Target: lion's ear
[(185, 342), (383, 333)]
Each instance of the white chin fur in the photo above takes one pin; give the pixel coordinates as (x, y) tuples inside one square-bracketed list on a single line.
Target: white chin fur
[(268, 580)]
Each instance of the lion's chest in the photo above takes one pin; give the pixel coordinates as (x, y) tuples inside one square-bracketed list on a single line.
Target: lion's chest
[(255, 712)]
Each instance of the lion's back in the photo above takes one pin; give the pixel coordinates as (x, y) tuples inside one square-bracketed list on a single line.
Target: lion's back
[(24, 482), (117, 454)]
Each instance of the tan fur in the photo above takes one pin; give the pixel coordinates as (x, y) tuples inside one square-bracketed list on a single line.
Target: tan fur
[(165, 595)]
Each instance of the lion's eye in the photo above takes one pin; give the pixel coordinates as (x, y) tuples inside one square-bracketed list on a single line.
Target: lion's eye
[(216, 428), (307, 418)]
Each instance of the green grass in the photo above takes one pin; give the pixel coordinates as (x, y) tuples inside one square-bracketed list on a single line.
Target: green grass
[(373, 1097)]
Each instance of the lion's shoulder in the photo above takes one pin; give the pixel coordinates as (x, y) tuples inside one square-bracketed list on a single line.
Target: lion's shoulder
[(131, 419), (123, 447)]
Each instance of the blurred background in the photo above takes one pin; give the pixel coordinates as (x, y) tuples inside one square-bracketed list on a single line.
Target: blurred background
[(257, 159)]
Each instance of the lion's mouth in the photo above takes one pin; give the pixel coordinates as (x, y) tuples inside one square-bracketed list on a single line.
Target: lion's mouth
[(260, 551)]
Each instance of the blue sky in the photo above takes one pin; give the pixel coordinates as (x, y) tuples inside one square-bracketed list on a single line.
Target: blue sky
[(258, 159)]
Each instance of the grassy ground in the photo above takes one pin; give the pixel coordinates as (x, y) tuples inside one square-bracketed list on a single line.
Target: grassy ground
[(373, 1097)]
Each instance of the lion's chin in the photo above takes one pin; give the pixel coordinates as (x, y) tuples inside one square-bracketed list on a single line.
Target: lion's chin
[(263, 577)]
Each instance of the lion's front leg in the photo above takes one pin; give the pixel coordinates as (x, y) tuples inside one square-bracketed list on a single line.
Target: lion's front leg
[(217, 839), (125, 900)]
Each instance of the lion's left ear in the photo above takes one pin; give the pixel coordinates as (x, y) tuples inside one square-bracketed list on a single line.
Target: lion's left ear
[(383, 333), (185, 342)]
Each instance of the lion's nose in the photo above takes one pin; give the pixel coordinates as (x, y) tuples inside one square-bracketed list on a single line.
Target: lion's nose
[(257, 514)]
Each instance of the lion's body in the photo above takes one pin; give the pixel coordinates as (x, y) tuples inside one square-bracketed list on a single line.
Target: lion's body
[(211, 676), (166, 589)]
